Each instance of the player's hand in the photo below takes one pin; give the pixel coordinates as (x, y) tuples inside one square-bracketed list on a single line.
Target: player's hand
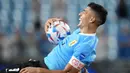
[(49, 22), (30, 70)]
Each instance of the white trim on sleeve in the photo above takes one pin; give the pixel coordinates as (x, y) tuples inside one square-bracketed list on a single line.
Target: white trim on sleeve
[(76, 63)]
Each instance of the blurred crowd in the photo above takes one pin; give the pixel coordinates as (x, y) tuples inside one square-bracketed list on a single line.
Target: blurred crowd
[(22, 33)]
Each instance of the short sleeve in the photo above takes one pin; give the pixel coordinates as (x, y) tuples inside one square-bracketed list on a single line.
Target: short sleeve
[(82, 51), (78, 60)]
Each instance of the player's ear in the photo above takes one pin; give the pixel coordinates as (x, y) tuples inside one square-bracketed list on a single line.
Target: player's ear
[(92, 19)]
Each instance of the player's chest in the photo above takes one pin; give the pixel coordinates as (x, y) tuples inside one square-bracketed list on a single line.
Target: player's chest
[(70, 43)]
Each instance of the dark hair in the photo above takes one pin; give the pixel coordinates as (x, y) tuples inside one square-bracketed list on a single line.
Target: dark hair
[(100, 10)]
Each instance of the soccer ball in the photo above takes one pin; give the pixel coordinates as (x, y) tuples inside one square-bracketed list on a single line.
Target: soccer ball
[(57, 32)]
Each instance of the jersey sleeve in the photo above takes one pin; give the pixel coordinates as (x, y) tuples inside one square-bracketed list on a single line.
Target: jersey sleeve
[(82, 51), (81, 55)]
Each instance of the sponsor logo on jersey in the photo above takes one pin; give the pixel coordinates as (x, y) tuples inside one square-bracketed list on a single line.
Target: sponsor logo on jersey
[(73, 43)]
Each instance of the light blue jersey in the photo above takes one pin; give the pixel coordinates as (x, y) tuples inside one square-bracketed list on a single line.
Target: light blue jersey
[(81, 46)]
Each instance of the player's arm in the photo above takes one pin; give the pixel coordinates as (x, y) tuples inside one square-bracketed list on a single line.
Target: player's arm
[(43, 70), (74, 65), (39, 70), (78, 60), (70, 69)]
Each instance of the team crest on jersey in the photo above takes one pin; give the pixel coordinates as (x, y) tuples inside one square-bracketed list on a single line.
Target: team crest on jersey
[(73, 42)]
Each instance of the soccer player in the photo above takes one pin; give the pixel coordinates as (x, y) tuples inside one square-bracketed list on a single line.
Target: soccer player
[(77, 50)]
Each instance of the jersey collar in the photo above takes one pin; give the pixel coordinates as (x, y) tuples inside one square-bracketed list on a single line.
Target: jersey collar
[(88, 34)]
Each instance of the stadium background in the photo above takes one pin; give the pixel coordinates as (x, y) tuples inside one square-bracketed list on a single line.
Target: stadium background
[(22, 36)]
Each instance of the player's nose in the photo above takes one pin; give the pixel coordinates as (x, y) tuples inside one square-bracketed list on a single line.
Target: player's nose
[(80, 14)]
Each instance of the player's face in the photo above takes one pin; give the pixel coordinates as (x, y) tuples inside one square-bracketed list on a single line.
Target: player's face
[(85, 17)]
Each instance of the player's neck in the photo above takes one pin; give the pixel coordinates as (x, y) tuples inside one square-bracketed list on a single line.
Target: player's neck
[(88, 30)]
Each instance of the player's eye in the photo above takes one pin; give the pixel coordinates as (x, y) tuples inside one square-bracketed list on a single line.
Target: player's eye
[(84, 10)]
